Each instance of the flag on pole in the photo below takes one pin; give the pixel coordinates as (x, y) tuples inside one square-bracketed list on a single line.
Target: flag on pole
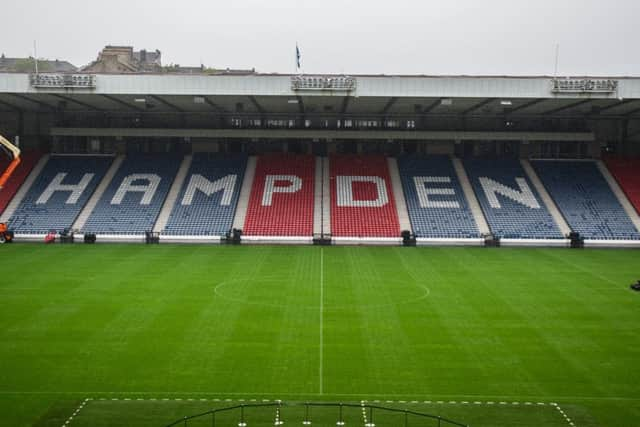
[(297, 56)]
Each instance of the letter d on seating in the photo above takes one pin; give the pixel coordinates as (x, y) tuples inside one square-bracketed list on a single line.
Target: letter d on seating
[(344, 186)]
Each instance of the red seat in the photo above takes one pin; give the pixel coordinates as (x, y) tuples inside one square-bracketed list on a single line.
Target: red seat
[(27, 162), (627, 172), (368, 216), (288, 210)]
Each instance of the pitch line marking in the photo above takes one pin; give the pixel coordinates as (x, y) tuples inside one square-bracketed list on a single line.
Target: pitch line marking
[(566, 417), (321, 318), (338, 396), (76, 412), (362, 403)]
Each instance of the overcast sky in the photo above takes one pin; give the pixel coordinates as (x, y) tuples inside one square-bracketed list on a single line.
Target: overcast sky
[(497, 37)]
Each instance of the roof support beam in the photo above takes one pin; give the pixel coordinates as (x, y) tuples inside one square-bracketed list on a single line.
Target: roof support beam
[(167, 103), (568, 107), (256, 104), (431, 106), (389, 104), (616, 104), (40, 103), (477, 106), (631, 113), (526, 105), (123, 103), (81, 103), (213, 105), (10, 106)]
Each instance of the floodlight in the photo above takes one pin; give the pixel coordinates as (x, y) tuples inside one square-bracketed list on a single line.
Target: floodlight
[(198, 100), (446, 101), (506, 102)]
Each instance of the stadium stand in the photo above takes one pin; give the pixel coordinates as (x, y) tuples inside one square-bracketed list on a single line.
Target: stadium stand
[(208, 198), (434, 197), (627, 172), (511, 205), (58, 194), (28, 161), (362, 202), (282, 196), (131, 203), (586, 200)]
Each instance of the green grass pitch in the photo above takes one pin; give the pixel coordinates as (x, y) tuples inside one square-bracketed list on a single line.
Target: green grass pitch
[(149, 334)]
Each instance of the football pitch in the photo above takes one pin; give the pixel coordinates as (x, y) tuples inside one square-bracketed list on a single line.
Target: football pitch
[(136, 335)]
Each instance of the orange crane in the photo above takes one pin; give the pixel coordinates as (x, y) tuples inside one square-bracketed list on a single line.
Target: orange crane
[(14, 153)]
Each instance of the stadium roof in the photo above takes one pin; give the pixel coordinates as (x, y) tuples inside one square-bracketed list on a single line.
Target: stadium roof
[(358, 95)]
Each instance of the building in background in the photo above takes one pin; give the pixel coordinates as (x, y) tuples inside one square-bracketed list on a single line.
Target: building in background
[(26, 65)]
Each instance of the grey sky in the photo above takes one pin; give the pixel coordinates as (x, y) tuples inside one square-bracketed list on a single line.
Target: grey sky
[(516, 37)]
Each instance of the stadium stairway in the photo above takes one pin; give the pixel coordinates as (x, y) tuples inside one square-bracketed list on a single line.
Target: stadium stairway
[(131, 203), (436, 203), (326, 197), (362, 201), (620, 194), (170, 201), (317, 197), (470, 196), (245, 193), (586, 200), (546, 198), (93, 201), (282, 203), (206, 200), (510, 203), (627, 173), (24, 189), (58, 194), (401, 204), (27, 161)]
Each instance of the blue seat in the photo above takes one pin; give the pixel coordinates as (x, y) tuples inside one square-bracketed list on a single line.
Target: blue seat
[(511, 205), (128, 213), (586, 200), (436, 220), (40, 213), (207, 215)]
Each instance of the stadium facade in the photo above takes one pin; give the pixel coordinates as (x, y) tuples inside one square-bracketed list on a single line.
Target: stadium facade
[(325, 159)]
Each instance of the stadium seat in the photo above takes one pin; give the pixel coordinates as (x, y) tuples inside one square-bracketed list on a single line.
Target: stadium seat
[(586, 200), (27, 161), (362, 201), (627, 172), (282, 196), (512, 206), (433, 215), (59, 193), (132, 201), (209, 196)]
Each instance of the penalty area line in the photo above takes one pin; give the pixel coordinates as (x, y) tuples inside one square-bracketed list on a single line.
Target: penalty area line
[(76, 412), (566, 417)]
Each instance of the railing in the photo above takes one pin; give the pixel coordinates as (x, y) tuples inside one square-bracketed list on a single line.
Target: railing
[(331, 413)]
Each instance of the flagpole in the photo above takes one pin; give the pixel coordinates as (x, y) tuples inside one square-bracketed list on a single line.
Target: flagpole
[(35, 56)]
